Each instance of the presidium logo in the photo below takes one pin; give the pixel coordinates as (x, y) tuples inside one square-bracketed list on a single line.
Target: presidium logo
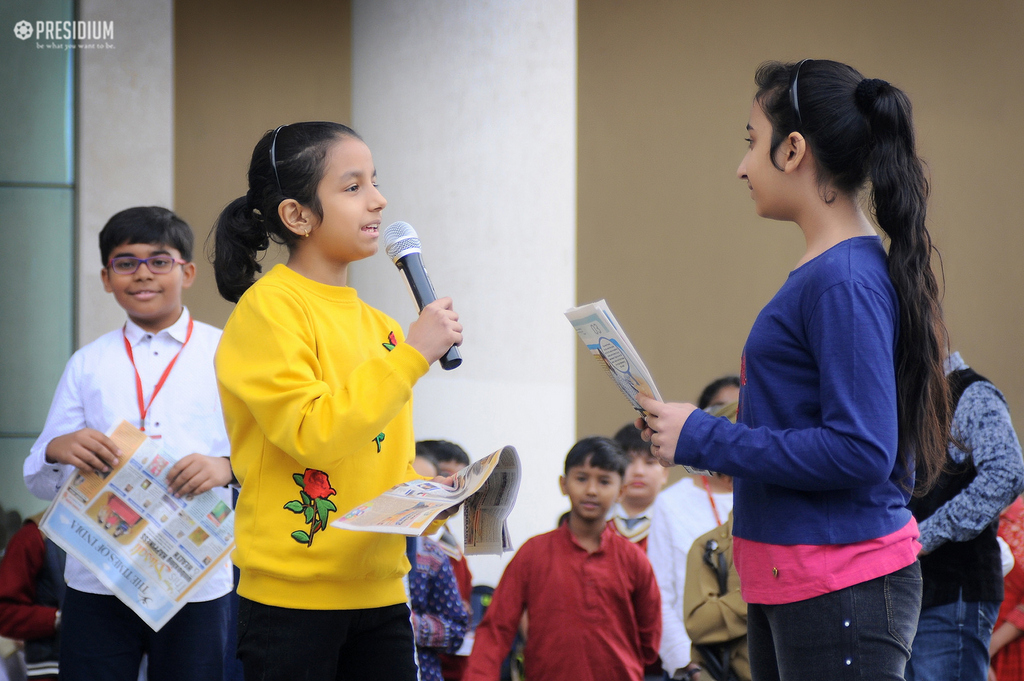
[(72, 34), (23, 30)]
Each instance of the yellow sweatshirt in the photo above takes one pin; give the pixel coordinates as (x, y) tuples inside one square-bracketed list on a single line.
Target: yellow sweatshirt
[(316, 387)]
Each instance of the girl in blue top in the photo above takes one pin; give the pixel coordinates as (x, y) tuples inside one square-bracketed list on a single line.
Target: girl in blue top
[(843, 395)]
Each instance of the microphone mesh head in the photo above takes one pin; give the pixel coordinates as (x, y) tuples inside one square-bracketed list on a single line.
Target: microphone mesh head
[(400, 239)]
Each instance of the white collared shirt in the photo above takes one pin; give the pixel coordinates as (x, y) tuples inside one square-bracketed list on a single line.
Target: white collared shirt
[(680, 514), (97, 390)]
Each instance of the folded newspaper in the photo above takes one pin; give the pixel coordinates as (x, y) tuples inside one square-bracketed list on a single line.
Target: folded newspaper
[(487, 487), (147, 546), (600, 332)]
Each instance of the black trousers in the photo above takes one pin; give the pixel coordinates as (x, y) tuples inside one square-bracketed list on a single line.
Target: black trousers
[(282, 644), (103, 640)]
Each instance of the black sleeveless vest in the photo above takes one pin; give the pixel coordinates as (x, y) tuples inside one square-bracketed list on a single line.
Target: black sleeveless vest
[(973, 567)]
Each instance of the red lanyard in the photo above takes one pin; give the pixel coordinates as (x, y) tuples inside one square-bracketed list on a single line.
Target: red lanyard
[(711, 498), (143, 407)]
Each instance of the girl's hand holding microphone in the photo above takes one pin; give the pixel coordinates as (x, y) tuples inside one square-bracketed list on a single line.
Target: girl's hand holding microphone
[(662, 426), (436, 330)]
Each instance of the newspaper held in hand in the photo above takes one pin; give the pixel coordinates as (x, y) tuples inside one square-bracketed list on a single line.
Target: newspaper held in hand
[(607, 342), (487, 489), (150, 548)]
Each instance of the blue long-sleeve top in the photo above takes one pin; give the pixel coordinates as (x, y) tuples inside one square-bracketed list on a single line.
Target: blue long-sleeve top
[(814, 449)]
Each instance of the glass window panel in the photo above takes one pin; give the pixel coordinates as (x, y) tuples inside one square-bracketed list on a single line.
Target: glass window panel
[(13, 494), (36, 274), (36, 109), (37, 265)]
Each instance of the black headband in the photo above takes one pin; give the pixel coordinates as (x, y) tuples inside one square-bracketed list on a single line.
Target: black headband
[(794, 100), (273, 159)]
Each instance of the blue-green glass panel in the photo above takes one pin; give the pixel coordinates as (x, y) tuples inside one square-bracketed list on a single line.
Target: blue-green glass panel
[(36, 94), (14, 496), (36, 275)]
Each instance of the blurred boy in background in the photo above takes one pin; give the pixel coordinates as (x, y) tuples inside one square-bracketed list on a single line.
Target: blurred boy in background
[(645, 478), (591, 596)]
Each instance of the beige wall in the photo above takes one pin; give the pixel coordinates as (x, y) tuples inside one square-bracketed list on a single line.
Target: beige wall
[(242, 68), (668, 235), (125, 138)]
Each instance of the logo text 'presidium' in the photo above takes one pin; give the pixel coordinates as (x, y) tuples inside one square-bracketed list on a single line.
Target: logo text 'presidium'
[(66, 30)]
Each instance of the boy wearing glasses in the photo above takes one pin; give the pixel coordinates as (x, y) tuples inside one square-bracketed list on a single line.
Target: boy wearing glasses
[(157, 372)]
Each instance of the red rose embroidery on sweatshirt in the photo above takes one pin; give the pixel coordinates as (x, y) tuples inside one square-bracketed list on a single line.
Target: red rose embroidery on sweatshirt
[(313, 503)]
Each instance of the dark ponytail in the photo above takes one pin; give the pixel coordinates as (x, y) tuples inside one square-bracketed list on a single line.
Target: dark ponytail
[(861, 131), (248, 224), (899, 195)]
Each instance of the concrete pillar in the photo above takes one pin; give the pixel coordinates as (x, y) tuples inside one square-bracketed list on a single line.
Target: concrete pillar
[(125, 137), (469, 107)]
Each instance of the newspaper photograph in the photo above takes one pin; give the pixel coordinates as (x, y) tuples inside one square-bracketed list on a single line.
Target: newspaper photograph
[(487, 487), (146, 545), (608, 344)]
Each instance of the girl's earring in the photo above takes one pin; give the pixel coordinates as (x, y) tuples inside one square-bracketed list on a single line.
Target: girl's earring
[(306, 234)]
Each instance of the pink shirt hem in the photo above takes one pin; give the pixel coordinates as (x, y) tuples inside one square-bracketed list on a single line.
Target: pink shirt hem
[(772, 574)]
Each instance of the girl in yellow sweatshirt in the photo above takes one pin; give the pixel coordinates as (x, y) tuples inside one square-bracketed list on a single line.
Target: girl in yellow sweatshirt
[(317, 393)]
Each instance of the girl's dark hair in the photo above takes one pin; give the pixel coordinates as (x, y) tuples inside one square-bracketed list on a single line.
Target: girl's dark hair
[(599, 452), (146, 225), (248, 224), (860, 131)]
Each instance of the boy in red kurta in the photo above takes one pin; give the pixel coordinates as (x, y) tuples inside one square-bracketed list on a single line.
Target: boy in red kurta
[(593, 604)]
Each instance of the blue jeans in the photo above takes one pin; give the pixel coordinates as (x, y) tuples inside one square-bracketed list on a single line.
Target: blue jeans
[(103, 640), (862, 632), (952, 642)]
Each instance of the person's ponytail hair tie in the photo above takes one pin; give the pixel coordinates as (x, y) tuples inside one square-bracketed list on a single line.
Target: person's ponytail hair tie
[(867, 93)]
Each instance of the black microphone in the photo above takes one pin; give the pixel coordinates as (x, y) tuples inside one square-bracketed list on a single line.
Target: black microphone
[(403, 247)]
